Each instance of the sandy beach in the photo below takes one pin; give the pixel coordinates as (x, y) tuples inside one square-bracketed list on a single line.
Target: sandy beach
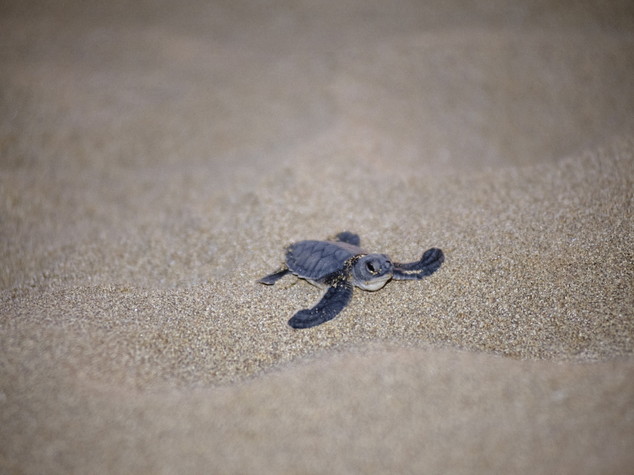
[(157, 157)]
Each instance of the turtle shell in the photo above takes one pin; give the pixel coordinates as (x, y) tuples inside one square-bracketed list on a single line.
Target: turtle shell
[(316, 259)]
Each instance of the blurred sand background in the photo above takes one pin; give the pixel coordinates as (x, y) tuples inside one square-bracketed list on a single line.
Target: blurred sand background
[(157, 156)]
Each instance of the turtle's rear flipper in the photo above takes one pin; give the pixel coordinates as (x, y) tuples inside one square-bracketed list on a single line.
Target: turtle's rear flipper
[(349, 238), (272, 278), (428, 264), (333, 302)]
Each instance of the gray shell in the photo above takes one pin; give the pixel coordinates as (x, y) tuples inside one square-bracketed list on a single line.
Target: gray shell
[(316, 259)]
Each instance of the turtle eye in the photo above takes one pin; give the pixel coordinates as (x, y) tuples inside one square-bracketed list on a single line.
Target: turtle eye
[(371, 268)]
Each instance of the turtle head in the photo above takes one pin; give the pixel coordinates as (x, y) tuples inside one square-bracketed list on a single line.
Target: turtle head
[(371, 272)]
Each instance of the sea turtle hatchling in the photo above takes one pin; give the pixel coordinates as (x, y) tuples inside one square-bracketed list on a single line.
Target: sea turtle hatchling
[(340, 264)]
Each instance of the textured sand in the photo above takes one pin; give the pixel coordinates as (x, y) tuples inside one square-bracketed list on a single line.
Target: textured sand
[(156, 158)]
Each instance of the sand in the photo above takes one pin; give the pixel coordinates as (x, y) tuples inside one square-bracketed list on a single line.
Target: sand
[(156, 158)]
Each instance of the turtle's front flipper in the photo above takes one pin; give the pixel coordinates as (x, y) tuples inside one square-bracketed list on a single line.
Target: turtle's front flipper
[(428, 264), (333, 302), (272, 278), (349, 238)]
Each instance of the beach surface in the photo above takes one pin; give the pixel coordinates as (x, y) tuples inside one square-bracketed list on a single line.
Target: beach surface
[(157, 157)]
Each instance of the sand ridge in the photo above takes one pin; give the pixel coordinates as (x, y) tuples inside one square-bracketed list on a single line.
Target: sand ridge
[(156, 161)]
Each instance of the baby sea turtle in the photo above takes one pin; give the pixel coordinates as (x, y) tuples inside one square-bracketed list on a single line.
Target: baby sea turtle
[(340, 264)]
